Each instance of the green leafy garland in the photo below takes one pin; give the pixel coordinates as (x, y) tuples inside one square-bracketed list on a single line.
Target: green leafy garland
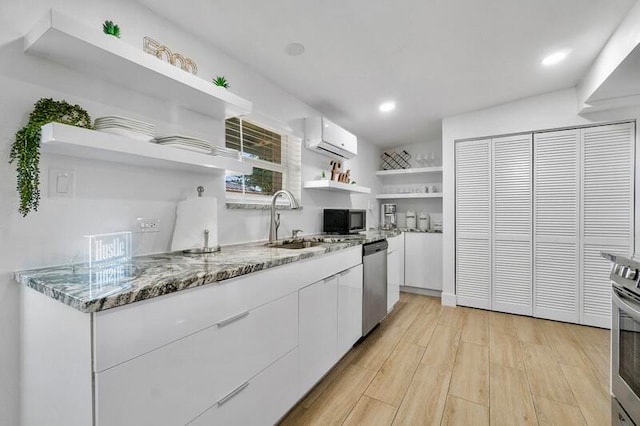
[(25, 150)]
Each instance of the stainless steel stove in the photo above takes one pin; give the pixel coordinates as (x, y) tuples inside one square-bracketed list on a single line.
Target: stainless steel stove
[(625, 341)]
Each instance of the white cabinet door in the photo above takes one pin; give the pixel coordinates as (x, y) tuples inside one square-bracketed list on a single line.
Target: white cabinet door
[(473, 224), (556, 231), (393, 278), (607, 213), (395, 269), (318, 331), (349, 308), (401, 277), (423, 260), (512, 225)]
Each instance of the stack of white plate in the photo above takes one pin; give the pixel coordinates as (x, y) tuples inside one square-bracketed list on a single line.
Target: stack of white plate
[(197, 145), (124, 126), (185, 142)]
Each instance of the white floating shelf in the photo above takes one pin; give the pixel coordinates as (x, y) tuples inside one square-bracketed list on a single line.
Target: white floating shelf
[(413, 171), (84, 143), (75, 45), (410, 195), (330, 185)]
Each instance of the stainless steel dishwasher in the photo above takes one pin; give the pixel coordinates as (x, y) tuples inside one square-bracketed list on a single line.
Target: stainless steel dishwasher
[(374, 296)]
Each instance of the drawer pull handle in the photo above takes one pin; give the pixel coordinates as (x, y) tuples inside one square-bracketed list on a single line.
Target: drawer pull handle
[(233, 318), (233, 393)]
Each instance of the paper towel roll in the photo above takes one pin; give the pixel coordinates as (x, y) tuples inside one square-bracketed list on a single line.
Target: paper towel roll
[(193, 216)]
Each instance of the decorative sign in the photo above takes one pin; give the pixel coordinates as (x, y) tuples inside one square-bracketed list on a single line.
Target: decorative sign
[(154, 48), (337, 174), (109, 263), (109, 249)]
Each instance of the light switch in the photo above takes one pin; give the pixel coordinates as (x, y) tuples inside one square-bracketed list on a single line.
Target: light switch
[(61, 183), (62, 186)]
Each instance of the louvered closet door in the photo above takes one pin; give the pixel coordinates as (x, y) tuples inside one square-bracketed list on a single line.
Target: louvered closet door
[(607, 218), (556, 230), (512, 223), (473, 223)]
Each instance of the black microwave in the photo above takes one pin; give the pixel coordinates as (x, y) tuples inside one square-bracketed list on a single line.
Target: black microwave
[(344, 221)]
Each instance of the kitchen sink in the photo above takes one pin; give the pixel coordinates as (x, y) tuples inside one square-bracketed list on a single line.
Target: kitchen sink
[(296, 245)]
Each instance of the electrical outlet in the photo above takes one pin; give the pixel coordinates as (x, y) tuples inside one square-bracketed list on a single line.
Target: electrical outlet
[(145, 224)]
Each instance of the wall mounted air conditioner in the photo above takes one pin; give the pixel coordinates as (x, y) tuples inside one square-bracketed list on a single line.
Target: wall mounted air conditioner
[(325, 137)]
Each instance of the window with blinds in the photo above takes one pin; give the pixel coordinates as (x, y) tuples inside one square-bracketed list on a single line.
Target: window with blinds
[(275, 158)]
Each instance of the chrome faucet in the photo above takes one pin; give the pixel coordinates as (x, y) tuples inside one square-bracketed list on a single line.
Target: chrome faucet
[(275, 222)]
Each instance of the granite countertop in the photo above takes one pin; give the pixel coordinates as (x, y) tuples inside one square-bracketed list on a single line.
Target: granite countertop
[(146, 277), (421, 231)]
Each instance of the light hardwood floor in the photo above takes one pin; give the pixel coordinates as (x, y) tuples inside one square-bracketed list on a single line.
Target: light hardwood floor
[(427, 364)]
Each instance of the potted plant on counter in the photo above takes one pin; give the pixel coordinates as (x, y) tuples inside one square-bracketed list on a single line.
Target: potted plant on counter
[(25, 151), (221, 82)]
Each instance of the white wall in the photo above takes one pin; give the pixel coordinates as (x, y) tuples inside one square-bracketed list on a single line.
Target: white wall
[(548, 111), (110, 196)]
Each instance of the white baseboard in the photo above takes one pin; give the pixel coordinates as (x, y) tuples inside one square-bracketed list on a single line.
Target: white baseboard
[(448, 299), (422, 291)]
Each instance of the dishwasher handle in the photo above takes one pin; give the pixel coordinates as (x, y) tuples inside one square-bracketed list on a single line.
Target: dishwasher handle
[(372, 248)]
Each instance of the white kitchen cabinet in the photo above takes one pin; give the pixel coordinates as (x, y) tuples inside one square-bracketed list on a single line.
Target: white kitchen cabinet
[(349, 308), (225, 353), (318, 330), (393, 274), (423, 260), (204, 368), (395, 269)]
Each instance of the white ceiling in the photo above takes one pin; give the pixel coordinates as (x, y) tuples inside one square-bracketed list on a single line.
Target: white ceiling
[(436, 58)]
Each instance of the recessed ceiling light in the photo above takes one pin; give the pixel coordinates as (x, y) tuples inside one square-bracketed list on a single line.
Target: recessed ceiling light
[(294, 49), (556, 57), (387, 106)]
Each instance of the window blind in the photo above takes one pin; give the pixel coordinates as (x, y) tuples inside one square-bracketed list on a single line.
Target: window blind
[(276, 159)]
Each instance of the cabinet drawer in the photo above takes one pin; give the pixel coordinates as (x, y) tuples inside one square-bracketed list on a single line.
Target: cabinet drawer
[(129, 331), (262, 400), (177, 382)]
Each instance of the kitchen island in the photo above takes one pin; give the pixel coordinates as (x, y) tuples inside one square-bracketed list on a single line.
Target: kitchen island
[(236, 338)]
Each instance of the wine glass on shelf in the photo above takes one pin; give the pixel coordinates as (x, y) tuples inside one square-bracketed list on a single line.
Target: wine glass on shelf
[(433, 159)]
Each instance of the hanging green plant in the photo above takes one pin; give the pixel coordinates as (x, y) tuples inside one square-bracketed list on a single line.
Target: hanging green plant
[(25, 150), (111, 29), (221, 81)]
